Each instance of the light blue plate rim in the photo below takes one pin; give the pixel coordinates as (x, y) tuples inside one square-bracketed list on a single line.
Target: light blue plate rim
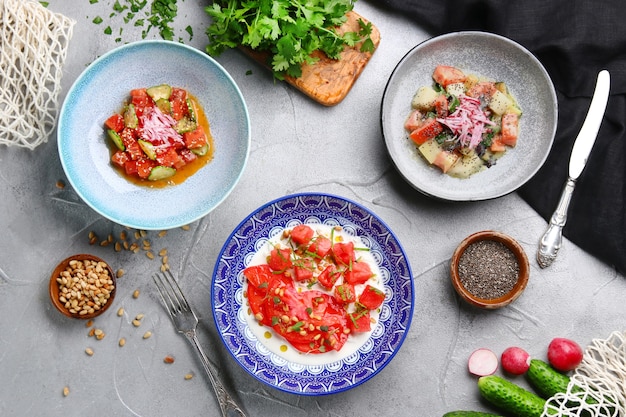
[(90, 186)]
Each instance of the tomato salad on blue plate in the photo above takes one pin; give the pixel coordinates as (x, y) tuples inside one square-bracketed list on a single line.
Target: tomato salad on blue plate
[(160, 137), (316, 287), (463, 123)]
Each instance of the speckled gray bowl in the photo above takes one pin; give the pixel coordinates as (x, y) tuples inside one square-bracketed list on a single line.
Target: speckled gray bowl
[(483, 54)]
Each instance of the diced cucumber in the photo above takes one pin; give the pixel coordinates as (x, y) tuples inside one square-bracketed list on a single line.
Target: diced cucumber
[(509, 397), (148, 148), (201, 151), (161, 172), (185, 125), (164, 105), (117, 140), (160, 91), (130, 117), (192, 111)]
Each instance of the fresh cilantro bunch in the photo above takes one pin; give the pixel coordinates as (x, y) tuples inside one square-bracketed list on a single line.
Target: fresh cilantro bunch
[(289, 30)]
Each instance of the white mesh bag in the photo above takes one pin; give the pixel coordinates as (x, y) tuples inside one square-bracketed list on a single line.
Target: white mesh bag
[(33, 47)]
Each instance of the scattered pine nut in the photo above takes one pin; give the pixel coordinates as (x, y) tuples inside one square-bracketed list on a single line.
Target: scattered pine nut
[(89, 351), (66, 391), (122, 342), (147, 334), (162, 233), (60, 184), (120, 273), (136, 294), (188, 376), (150, 255), (136, 323), (163, 252), (120, 311), (89, 323), (92, 331), (186, 227), (168, 359), (139, 316)]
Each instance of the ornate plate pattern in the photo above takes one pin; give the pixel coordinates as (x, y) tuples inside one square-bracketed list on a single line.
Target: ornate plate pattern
[(312, 374)]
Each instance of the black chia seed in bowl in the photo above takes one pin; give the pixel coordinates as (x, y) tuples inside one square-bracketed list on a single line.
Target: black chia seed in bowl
[(488, 269)]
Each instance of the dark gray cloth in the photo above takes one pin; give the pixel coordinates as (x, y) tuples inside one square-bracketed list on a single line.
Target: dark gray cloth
[(574, 40)]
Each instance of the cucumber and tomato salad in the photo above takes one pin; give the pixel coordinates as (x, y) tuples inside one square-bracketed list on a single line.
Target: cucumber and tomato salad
[(158, 131), (313, 290)]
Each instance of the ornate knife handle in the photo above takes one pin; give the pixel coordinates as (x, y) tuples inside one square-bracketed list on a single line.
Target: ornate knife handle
[(551, 240)]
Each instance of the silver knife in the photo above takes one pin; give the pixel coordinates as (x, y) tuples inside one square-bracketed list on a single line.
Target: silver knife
[(551, 240)]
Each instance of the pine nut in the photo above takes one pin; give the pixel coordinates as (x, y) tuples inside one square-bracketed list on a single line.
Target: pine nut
[(122, 342), (147, 334), (136, 294), (66, 391), (168, 359), (89, 351), (188, 376)]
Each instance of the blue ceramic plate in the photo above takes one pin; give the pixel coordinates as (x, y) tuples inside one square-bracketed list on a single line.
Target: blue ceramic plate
[(101, 90), (491, 56), (289, 370)]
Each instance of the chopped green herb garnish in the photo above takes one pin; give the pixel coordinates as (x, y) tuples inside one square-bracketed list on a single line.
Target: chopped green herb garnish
[(97, 20), (289, 29), (189, 30), (108, 30), (44, 3), (93, 1)]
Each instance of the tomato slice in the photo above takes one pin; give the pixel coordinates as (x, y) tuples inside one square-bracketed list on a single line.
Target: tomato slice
[(178, 99), (329, 276), (115, 122), (343, 253), (302, 234), (345, 294), (320, 246), (141, 100), (359, 321), (359, 273), (195, 139), (280, 259), (371, 297), (259, 276)]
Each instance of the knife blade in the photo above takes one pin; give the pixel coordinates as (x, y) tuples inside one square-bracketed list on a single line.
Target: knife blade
[(552, 239)]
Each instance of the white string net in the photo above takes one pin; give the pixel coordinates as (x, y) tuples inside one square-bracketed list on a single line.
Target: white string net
[(33, 47), (598, 385)]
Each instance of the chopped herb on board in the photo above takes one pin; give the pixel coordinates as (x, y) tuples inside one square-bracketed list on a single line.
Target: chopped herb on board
[(290, 30), (97, 20), (44, 3)]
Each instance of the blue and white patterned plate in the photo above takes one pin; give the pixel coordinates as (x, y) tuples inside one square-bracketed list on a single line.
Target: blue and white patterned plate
[(101, 90), (290, 371)]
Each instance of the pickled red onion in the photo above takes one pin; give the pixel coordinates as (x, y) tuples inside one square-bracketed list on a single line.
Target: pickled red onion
[(468, 121)]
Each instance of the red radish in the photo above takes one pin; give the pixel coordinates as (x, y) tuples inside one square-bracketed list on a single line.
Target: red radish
[(515, 360), (482, 362), (564, 354)]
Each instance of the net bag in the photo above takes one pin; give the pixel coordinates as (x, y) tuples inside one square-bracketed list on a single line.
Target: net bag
[(33, 47)]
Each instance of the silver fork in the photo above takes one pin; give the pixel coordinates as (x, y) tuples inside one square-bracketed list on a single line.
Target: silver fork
[(186, 321)]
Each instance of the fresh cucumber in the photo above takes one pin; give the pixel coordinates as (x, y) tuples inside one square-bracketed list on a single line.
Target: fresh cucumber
[(117, 140), (202, 150), (161, 172), (164, 105), (130, 117), (147, 148), (191, 110), (546, 380), (462, 413), (185, 125), (510, 398), (159, 91)]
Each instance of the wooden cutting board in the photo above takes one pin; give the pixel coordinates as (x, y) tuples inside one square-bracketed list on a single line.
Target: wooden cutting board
[(328, 81)]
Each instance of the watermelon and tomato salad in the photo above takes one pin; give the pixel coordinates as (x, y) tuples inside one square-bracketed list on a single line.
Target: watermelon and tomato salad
[(314, 289), (463, 123), (157, 132)]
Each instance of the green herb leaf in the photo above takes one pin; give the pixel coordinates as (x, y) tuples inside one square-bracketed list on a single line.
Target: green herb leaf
[(97, 20), (288, 30)]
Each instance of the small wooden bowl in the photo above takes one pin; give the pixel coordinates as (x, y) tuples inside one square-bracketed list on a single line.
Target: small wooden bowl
[(54, 287), (506, 299)]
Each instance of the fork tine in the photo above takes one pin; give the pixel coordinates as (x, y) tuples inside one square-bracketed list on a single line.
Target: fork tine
[(165, 297), (177, 292)]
